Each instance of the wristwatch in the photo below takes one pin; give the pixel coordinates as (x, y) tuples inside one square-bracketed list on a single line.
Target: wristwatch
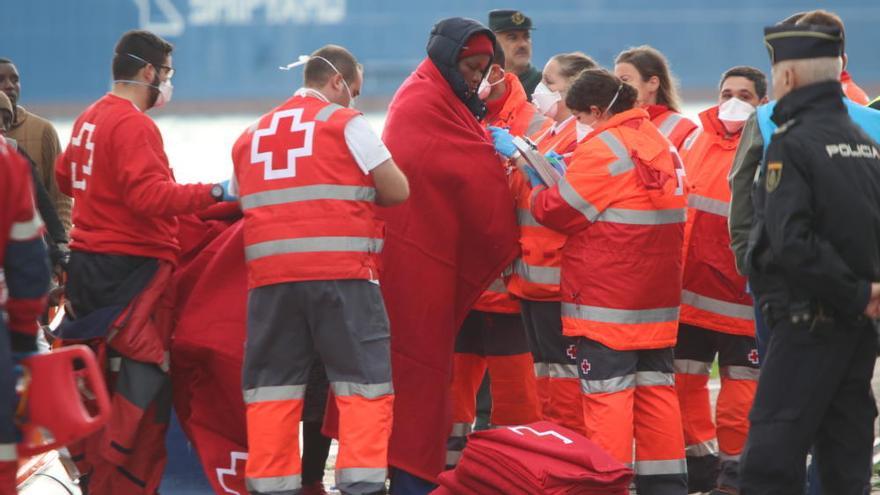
[(217, 192)]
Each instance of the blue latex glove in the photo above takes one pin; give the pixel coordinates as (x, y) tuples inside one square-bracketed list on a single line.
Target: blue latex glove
[(227, 196), (534, 178), (556, 161), (503, 141)]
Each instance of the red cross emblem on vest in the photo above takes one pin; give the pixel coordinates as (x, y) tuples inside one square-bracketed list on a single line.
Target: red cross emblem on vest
[(586, 367), (278, 146), (753, 356), (571, 352), (83, 145)]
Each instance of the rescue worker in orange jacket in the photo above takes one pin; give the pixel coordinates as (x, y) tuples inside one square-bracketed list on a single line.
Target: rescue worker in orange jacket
[(492, 335), (535, 278), (647, 70), (716, 311), (310, 174), (622, 204)]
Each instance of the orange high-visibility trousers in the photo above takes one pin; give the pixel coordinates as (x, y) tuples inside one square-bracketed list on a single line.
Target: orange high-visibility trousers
[(713, 448), (497, 342), (629, 397), (343, 321), (559, 388)]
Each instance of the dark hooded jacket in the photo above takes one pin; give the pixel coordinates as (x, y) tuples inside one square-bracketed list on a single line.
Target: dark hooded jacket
[(447, 39)]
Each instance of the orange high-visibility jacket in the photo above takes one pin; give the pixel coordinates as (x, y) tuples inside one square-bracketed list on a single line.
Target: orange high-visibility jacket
[(623, 205), (309, 210), (713, 293), (672, 124), (536, 272), (521, 118)]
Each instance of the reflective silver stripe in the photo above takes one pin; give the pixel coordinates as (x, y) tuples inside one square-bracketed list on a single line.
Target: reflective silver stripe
[(274, 484), (651, 468), (365, 390), (730, 457), (307, 193), (312, 245), (643, 217), (325, 113), (8, 452), (691, 139), (692, 367), (740, 373), (542, 370), (709, 447), (25, 231), (625, 316), (624, 163), (717, 306), (563, 370), (709, 205), (654, 379), (576, 201), (537, 274), (361, 475), (611, 385), (452, 457), (536, 123), (280, 392), (115, 364), (497, 286), (461, 429), (525, 218), (668, 125)]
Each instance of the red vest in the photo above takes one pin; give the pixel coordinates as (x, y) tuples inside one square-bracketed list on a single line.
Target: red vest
[(713, 293), (309, 210), (671, 124)]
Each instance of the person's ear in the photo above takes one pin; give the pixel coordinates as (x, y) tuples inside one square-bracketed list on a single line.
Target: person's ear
[(844, 60), (148, 71), (653, 83)]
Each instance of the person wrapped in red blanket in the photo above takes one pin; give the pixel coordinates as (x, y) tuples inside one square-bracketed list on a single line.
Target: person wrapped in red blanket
[(446, 244)]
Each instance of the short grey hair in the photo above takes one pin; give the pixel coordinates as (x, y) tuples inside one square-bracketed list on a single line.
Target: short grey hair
[(812, 70)]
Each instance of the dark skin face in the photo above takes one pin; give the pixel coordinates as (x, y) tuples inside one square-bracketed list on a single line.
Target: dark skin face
[(10, 82), (472, 69)]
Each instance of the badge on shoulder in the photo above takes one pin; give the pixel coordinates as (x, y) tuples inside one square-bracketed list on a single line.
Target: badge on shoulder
[(774, 175)]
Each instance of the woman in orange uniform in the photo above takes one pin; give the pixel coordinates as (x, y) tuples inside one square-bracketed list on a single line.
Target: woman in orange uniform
[(535, 278), (623, 208), (647, 70)]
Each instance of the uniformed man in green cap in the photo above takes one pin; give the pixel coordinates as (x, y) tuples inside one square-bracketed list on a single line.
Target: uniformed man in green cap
[(513, 31)]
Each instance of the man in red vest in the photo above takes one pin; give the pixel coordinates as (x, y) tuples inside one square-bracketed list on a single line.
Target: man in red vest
[(310, 174), (716, 310)]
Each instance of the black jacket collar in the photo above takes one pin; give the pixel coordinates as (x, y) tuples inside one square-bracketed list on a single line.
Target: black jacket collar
[(447, 39), (824, 97)]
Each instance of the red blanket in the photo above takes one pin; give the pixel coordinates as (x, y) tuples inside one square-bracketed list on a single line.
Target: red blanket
[(207, 348), (443, 247)]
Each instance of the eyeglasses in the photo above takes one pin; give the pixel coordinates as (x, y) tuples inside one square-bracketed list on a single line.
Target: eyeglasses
[(169, 69)]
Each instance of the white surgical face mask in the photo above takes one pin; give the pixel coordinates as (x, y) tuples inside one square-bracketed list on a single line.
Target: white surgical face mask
[(486, 87), (582, 130), (547, 101), (166, 90), (733, 113), (303, 59)]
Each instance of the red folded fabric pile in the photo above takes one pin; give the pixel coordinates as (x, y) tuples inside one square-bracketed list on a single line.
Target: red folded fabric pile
[(540, 457)]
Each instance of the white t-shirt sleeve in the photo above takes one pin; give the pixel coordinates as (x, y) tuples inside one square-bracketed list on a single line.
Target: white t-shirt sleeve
[(365, 145)]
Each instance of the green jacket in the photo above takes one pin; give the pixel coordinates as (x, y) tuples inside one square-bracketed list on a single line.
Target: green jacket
[(530, 79), (742, 175)]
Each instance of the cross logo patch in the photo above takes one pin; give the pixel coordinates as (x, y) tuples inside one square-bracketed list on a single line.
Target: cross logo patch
[(278, 148), (83, 150), (586, 367), (753, 356), (571, 352)]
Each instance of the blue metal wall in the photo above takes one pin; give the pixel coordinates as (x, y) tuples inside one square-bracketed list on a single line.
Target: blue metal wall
[(230, 49)]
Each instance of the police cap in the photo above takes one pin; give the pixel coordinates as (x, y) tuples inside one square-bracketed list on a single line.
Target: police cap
[(508, 20), (793, 42)]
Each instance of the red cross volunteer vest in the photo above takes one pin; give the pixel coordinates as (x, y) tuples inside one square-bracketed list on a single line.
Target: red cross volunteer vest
[(309, 209)]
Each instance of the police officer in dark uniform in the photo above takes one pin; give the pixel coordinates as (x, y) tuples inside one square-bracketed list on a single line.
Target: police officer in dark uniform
[(814, 260), (513, 29)]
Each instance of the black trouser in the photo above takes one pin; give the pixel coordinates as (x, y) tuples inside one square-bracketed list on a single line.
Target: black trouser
[(814, 389)]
